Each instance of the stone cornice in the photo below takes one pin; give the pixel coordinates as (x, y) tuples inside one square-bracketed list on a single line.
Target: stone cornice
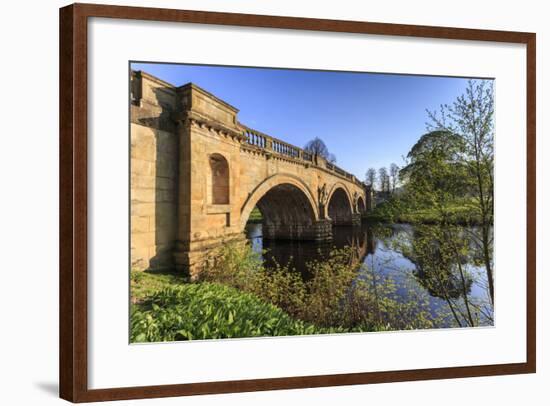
[(192, 86), (140, 74), (201, 121)]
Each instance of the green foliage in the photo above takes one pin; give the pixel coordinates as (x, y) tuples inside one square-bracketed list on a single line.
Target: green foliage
[(205, 311), (444, 142), (403, 210), (340, 293), (238, 297), (144, 283), (255, 216), (471, 118), (235, 264), (441, 254), (449, 173), (374, 305), (283, 288), (242, 268), (331, 281), (435, 179)]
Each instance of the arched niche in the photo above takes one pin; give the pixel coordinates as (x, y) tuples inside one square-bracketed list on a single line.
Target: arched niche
[(218, 192)]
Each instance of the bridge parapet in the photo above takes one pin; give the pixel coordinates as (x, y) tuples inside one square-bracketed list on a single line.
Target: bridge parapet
[(263, 141), (271, 144)]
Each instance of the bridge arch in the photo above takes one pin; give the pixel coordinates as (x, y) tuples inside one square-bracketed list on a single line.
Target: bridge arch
[(340, 205), (361, 207), (344, 187), (287, 205)]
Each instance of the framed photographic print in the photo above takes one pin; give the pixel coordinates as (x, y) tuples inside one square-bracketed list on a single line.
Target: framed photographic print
[(255, 202)]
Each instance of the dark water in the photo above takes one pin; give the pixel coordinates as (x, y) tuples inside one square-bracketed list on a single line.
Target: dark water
[(378, 248)]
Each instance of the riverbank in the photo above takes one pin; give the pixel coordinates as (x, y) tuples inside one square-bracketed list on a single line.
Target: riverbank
[(167, 307), (460, 213), (240, 297)]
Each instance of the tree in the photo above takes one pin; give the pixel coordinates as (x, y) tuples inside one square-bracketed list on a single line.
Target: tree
[(434, 173), (318, 147), (394, 176), (370, 177), (384, 179), (470, 118), (432, 179), (436, 180)]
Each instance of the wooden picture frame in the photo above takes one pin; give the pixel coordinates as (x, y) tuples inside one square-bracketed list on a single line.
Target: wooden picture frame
[(73, 200)]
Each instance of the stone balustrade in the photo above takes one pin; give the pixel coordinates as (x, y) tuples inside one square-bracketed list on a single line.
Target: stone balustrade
[(271, 144)]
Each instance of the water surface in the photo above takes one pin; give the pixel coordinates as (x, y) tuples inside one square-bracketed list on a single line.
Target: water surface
[(380, 248)]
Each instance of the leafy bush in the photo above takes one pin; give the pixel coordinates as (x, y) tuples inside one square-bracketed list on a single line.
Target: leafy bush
[(208, 310), (340, 293), (313, 300)]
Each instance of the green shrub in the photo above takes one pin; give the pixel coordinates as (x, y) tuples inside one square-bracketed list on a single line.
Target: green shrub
[(316, 300), (334, 296), (145, 283), (331, 282), (208, 310)]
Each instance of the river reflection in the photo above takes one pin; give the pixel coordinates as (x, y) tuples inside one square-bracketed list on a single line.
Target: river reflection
[(385, 250)]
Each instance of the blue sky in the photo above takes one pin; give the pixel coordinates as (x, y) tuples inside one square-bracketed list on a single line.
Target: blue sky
[(366, 119)]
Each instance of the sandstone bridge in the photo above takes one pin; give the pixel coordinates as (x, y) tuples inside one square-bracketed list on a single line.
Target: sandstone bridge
[(197, 173)]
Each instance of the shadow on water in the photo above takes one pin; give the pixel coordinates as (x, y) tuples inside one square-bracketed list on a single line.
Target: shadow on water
[(296, 254)]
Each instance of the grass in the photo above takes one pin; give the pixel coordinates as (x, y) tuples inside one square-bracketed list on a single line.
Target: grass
[(145, 283), (460, 213), (210, 311), (167, 307)]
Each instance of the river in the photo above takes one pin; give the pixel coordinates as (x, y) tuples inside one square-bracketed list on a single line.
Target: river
[(378, 247)]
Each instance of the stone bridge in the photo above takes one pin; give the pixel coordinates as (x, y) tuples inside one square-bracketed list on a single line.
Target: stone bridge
[(197, 173)]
